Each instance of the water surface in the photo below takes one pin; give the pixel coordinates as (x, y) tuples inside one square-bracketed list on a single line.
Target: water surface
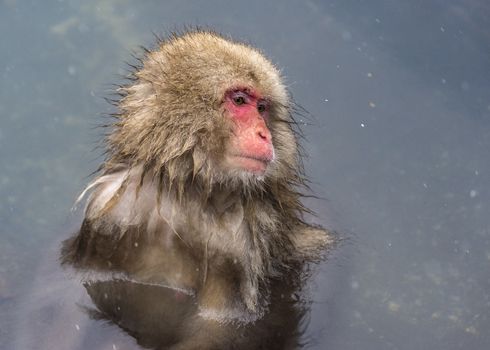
[(398, 134)]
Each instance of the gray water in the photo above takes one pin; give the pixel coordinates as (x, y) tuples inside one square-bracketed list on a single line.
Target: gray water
[(398, 135)]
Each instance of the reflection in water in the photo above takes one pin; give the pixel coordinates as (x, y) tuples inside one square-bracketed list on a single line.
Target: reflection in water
[(160, 317), (91, 310), (131, 289)]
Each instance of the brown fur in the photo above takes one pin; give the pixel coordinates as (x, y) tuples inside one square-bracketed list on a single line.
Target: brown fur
[(165, 210)]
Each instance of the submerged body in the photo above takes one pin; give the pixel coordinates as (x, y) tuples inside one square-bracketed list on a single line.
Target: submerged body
[(201, 188)]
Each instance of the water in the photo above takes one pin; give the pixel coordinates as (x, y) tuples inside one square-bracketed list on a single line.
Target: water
[(398, 140)]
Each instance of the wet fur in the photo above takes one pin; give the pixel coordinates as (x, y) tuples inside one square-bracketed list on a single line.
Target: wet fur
[(165, 210)]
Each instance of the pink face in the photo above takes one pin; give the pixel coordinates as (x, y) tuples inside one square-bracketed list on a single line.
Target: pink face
[(251, 147)]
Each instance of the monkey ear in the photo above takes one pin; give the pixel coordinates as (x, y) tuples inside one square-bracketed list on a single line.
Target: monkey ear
[(310, 243)]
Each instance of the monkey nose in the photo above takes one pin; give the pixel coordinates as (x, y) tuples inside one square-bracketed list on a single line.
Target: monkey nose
[(264, 134)]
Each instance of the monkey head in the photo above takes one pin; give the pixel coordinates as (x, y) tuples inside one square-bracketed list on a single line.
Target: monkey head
[(206, 108)]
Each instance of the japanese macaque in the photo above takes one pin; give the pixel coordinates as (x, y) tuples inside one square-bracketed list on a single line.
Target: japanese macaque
[(201, 187)]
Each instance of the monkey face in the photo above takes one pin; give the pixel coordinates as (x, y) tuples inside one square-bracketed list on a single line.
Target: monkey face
[(250, 147)]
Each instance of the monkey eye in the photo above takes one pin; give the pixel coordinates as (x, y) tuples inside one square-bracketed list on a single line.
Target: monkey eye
[(262, 107), (239, 99)]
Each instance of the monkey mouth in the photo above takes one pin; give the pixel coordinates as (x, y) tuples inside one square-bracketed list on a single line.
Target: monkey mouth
[(252, 163)]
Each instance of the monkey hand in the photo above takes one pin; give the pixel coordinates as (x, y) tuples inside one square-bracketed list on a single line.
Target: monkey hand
[(311, 243)]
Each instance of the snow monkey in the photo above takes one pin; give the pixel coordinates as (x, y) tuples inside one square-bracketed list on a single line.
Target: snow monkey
[(201, 187)]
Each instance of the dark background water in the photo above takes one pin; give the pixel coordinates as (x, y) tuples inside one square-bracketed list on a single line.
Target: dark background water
[(398, 142)]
